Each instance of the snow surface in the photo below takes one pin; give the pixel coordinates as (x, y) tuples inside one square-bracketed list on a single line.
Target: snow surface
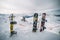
[(24, 30)]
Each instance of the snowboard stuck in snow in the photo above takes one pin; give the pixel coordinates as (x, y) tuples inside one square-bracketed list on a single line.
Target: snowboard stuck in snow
[(12, 25), (43, 22), (35, 20)]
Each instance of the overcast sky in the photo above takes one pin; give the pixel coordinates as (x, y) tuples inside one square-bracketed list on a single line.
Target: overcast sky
[(28, 6)]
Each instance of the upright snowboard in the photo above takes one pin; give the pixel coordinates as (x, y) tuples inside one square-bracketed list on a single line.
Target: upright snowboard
[(12, 25), (35, 20), (43, 22)]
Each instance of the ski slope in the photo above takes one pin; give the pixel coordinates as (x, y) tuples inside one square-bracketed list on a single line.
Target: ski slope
[(24, 30)]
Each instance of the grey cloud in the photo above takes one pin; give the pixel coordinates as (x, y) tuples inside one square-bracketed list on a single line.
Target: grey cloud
[(27, 6)]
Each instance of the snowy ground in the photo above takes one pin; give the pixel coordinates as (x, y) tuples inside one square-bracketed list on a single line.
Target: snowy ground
[(24, 31)]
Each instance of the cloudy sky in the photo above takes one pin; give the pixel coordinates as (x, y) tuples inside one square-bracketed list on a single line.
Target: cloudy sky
[(28, 6)]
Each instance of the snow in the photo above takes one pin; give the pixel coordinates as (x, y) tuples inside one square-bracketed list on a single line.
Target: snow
[(24, 31)]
